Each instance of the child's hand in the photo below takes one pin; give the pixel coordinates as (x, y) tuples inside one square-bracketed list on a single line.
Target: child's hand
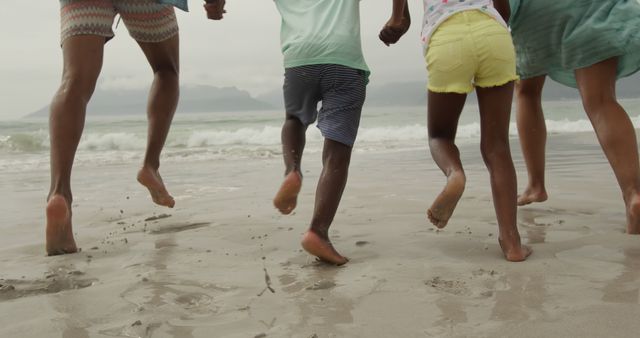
[(393, 30), (214, 9)]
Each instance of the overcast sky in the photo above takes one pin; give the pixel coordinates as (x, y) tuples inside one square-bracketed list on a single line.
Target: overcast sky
[(242, 50)]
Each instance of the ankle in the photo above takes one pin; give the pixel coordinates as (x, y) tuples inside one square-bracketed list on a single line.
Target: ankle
[(150, 165), (510, 237), (536, 186), (322, 232), (292, 169), (66, 195), (630, 195)]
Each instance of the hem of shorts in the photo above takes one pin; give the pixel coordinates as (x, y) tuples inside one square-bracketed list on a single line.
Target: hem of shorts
[(111, 36), (536, 74), (337, 139), (105, 36), (573, 84), (442, 90), (574, 67), (499, 83), (157, 41)]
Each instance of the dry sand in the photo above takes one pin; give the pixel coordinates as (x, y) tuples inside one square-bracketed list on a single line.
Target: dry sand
[(223, 263)]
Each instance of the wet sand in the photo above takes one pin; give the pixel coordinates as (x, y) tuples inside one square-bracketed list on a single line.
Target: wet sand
[(225, 263)]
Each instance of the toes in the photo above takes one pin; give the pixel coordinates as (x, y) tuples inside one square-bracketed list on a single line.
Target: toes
[(435, 220), (284, 211)]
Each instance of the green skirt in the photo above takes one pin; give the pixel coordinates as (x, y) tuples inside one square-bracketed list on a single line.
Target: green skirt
[(556, 37)]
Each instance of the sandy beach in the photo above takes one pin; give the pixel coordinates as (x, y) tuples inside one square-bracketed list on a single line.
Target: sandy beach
[(224, 263)]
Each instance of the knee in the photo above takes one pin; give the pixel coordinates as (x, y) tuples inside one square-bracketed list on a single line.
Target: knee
[(167, 72), (528, 90), (595, 102), (495, 151), (77, 85), (441, 135), (337, 156)]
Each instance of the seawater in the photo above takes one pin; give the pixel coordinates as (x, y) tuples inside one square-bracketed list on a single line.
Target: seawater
[(24, 143)]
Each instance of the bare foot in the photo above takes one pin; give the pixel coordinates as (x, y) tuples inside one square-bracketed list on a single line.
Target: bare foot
[(287, 196), (532, 195), (443, 206), (322, 248), (633, 216), (515, 252), (151, 179), (59, 233)]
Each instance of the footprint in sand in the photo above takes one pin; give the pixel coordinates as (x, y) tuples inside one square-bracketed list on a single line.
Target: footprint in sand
[(155, 218), (53, 282), (483, 272), (361, 243), (322, 285), (179, 228), (453, 287), (193, 300), (290, 283)]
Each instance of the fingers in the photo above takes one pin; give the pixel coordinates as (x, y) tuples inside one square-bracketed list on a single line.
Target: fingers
[(383, 36), (389, 35), (215, 9)]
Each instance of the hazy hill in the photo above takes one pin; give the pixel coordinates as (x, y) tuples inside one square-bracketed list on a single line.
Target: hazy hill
[(201, 99), (413, 93), (196, 99)]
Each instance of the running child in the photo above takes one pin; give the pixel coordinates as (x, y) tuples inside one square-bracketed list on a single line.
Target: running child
[(323, 62), (467, 46)]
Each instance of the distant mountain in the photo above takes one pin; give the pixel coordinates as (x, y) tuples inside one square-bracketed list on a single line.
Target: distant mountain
[(197, 99), (200, 99), (413, 93)]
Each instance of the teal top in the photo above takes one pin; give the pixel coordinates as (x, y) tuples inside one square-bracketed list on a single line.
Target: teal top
[(182, 4), (321, 32), (555, 38)]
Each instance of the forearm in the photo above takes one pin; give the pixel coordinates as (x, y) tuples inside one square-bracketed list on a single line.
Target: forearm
[(400, 9), (502, 6), (407, 15)]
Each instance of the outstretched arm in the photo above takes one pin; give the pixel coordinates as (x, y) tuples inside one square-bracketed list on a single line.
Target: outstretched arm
[(502, 6), (398, 25)]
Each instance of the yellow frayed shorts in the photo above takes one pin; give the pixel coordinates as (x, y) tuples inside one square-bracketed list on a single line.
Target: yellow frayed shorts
[(470, 49)]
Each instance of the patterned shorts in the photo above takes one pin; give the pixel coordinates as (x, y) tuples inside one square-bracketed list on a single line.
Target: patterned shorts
[(341, 90), (146, 20)]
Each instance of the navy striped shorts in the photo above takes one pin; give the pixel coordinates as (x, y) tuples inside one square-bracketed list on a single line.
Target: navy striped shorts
[(341, 90)]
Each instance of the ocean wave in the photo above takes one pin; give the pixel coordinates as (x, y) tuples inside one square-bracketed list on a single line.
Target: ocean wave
[(25, 142), (392, 134), (253, 140), (268, 135), (112, 141)]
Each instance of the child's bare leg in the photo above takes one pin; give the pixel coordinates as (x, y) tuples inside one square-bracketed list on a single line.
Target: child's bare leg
[(82, 56), (163, 100), (597, 85), (293, 141), (444, 112), (495, 112), (335, 159), (533, 137)]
